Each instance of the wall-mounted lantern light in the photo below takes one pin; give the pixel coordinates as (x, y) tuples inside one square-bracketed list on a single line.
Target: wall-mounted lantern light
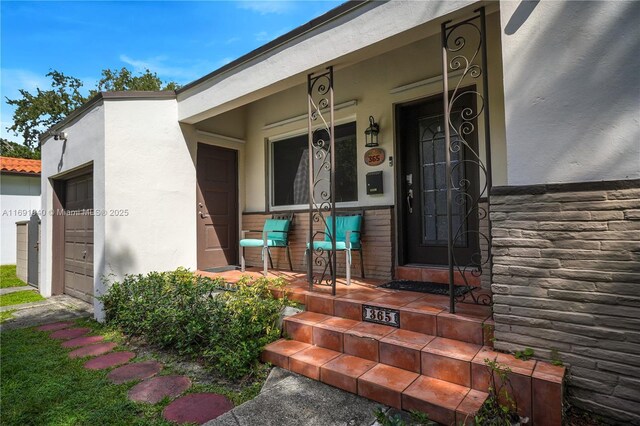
[(371, 134)]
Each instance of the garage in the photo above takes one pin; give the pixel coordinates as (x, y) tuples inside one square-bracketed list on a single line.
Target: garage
[(78, 237)]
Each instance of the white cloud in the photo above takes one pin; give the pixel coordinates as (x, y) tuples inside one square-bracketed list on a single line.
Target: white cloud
[(12, 81), (264, 7), (232, 40), (15, 79), (157, 65), (264, 36)]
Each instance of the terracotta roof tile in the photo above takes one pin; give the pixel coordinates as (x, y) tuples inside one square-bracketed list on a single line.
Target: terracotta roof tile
[(20, 165)]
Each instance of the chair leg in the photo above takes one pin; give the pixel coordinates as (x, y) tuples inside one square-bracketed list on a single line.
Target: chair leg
[(270, 259), (264, 261), (242, 264), (330, 263), (361, 263), (289, 257), (348, 265)]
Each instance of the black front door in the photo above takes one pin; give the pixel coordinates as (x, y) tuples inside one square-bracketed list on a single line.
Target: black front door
[(422, 185)]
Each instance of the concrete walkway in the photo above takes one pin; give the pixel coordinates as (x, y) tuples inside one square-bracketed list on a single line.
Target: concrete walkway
[(288, 399), (14, 289), (53, 309)]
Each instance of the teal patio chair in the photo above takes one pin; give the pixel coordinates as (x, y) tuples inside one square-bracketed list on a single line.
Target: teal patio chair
[(348, 239), (275, 234)]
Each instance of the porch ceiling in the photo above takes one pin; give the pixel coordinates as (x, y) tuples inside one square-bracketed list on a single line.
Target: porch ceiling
[(364, 31)]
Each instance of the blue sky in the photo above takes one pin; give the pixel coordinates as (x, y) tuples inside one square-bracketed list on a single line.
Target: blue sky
[(180, 41)]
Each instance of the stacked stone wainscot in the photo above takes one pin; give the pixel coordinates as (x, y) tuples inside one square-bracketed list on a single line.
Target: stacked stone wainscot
[(566, 279)]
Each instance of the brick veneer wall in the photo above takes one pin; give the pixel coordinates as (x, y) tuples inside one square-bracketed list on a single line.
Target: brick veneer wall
[(377, 243), (566, 276)]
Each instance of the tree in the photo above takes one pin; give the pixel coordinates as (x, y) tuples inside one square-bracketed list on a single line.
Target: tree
[(123, 80), (37, 112), (16, 150)]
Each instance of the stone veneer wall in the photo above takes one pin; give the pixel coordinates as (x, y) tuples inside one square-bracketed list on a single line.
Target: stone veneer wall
[(377, 243), (566, 277)]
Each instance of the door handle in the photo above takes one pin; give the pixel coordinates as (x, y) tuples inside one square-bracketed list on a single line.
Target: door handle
[(410, 200), (203, 216)]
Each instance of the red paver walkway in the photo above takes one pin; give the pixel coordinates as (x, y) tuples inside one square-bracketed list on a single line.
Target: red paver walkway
[(82, 341), (197, 408), (69, 333), (93, 350), (135, 371), (54, 326), (153, 390), (109, 360)]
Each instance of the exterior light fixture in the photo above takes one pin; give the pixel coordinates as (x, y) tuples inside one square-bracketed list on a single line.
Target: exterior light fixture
[(371, 134)]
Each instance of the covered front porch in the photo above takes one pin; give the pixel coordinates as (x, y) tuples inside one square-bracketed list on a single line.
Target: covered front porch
[(427, 217)]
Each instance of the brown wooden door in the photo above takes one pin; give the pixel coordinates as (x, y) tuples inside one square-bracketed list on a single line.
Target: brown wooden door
[(423, 186), (217, 208), (78, 238)]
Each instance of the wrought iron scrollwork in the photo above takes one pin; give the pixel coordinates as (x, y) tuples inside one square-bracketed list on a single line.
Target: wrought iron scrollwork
[(321, 177), (464, 51)]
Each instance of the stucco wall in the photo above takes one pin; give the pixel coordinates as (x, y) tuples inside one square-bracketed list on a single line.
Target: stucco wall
[(20, 196), (572, 90), (371, 83), (150, 189), (84, 146)]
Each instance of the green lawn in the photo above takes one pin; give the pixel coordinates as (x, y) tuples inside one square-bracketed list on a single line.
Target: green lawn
[(6, 315), (40, 385), (20, 297), (8, 277)]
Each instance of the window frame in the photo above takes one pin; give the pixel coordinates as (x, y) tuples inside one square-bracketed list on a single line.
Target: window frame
[(303, 132)]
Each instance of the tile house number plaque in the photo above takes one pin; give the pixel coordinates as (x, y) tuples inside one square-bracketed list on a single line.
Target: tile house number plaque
[(380, 315)]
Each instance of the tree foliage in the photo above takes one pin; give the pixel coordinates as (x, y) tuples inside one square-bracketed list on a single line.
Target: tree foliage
[(16, 150), (36, 112)]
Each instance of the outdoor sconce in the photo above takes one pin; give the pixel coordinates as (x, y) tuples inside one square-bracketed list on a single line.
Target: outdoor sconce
[(371, 134)]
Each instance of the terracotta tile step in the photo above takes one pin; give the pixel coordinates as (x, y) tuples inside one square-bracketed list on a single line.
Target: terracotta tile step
[(419, 312), (443, 401), (438, 357)]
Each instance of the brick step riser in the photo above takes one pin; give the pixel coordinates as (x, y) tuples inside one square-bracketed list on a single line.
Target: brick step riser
[(434, 275), (404, 398), (441, 324), (438, 367), (458, 363)]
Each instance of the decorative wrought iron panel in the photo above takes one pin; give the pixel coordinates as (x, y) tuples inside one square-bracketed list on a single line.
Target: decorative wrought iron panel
[(322, 203), (464, 51)]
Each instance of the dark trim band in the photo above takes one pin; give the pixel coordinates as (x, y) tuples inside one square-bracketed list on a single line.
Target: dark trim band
[(606, 185)]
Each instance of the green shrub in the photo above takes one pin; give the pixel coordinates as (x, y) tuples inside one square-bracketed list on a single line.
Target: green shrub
[(227, 327)]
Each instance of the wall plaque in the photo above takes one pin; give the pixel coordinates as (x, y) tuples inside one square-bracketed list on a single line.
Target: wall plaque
[(380, 315), (374, 157)]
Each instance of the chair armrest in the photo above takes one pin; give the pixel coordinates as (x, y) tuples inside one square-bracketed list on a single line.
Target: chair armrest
[(247, 231)]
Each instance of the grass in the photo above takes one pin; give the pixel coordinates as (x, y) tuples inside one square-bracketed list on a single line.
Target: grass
[(40, 385), (20, 297), (8, 277), (6, 315)]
